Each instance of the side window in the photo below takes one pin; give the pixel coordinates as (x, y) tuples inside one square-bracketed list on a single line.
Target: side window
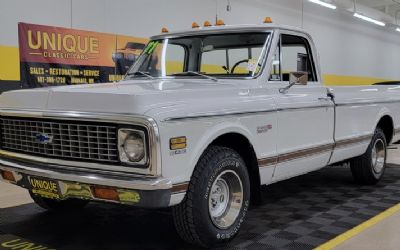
[(175, 58), (293, 55)]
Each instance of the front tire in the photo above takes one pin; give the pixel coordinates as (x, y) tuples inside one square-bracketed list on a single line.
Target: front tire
[(369, 168), (216, 201), (59, 205)]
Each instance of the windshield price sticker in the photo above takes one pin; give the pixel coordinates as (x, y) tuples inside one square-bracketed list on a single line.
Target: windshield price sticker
[(252, 65), (151, 47)]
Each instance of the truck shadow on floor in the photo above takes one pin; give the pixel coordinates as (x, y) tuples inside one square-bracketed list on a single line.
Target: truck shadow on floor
[(300, 213)]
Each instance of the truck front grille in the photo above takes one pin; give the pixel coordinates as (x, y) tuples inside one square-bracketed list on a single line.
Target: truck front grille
[(69, 140)]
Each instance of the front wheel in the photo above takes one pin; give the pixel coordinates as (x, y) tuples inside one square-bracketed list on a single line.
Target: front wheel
[(369, 168), (216, 201)]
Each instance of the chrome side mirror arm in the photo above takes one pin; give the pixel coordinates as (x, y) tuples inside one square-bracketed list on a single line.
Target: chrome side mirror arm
[(295, 78), (285, 89)]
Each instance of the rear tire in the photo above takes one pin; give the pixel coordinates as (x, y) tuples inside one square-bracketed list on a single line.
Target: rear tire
[(216, 201), (369, 168), (59, 205)]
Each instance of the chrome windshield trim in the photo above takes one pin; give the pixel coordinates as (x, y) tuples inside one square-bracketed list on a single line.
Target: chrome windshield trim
[(148, 123), (265, 51)]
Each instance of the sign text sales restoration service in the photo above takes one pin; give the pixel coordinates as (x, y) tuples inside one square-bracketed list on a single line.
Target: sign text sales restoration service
[(58, 56)]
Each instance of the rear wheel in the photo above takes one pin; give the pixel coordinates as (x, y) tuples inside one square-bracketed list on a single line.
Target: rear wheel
[(217, 199), (369, 168), (58, 205)]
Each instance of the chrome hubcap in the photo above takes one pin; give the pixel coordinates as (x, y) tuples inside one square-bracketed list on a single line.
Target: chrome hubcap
[(225, 199), (378, 156)]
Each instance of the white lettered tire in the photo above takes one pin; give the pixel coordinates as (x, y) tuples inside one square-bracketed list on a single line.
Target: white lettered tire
[(217, 199)]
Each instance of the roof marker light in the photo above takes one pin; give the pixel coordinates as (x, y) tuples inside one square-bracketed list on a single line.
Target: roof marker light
[(327, 5), (207, 24), (368, 19), (195, 25), (219, 22), (268, 20), (164, 30)]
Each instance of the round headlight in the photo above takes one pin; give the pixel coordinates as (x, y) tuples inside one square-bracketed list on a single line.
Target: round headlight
[(134, 147)]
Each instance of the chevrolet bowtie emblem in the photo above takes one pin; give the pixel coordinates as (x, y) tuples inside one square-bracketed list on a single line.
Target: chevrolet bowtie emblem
[(44, 138)]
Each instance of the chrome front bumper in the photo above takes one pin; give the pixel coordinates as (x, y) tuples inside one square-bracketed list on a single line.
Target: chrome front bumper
[(78, 183)]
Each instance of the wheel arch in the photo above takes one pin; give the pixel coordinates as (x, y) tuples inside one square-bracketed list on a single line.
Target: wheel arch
[(386, 124)]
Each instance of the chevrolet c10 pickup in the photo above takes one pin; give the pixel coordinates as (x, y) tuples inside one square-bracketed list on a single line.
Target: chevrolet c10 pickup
[(200, 122)]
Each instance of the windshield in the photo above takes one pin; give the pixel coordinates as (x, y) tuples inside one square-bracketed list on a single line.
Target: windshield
[(206, 56)]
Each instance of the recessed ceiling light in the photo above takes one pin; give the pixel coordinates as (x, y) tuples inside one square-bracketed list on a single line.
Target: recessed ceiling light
[(369, 19), (327, 5)]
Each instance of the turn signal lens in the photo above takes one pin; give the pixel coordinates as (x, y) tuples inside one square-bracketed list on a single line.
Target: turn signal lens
[(219, 22), (207, 24), (268, 20), (7, 175), (195, 25), (105, 193), (177, 143), (164, 30)]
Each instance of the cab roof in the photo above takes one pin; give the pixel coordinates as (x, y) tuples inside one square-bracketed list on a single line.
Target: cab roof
[(227, 29)]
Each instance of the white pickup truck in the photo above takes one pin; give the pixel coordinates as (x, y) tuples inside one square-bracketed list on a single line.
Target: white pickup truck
[(200, 122)]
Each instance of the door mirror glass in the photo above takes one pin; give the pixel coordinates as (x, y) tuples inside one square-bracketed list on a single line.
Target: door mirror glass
[(298, 78)]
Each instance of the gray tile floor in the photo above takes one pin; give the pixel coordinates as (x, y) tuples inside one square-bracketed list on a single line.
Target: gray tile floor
[(300, 213)]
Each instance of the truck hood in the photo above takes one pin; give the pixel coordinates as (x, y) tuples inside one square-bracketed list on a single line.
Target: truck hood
[(141, 97)]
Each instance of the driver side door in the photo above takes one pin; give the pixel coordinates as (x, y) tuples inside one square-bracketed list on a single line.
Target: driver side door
[(305, 113)]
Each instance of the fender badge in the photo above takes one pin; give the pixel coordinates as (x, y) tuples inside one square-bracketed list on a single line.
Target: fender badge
[(264, 129)]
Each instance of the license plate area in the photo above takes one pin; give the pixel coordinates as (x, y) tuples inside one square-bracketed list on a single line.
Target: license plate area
[(43, 187)]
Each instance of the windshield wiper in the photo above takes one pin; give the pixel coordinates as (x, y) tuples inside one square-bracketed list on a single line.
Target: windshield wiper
[(141, 73), (197, 74)]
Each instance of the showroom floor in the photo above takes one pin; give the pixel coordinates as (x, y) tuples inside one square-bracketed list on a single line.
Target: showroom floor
[(301, 213)]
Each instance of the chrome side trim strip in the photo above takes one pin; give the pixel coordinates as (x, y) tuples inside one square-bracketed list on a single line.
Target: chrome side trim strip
[(351, 141), (215, 115), (148, 123), (365, 103), (303, 153), (286, 157), (180, 188), (244, 113)]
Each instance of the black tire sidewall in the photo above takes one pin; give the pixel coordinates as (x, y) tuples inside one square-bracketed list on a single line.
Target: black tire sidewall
[(378, 135), (212, 234)]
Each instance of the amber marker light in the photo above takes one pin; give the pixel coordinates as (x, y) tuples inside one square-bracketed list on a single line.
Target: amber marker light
[(178, 143), (267, 20), (164, 30), (207, 24), (105, 193), (7, 175), (195, 25), (219, 22)]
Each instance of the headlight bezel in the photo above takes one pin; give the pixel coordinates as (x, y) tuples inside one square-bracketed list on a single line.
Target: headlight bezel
[(123, 133)]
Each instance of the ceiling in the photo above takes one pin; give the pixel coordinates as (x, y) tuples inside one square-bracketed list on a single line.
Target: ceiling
[(389, 7)]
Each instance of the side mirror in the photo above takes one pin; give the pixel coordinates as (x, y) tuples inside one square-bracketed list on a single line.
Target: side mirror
[(300, 78), (295, 78)]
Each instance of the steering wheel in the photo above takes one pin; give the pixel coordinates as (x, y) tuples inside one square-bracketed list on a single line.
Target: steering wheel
[(238, 63)]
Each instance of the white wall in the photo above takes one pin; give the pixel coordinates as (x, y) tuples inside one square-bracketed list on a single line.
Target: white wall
[(347, 45)]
